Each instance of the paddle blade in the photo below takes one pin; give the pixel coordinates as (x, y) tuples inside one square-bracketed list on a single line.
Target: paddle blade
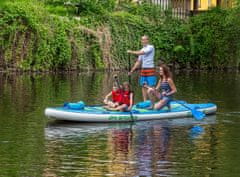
[(198, 115)]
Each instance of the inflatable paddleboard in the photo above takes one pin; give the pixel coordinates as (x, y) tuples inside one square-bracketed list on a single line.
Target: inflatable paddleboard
[(100, 114)]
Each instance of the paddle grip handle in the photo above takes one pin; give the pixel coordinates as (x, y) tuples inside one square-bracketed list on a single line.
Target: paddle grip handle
[(116, 80)]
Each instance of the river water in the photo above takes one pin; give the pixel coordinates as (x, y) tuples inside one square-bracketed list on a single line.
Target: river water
[(32, 145)]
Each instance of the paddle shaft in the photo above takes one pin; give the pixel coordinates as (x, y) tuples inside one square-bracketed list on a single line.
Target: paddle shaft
[(129, 68), (117, 81)]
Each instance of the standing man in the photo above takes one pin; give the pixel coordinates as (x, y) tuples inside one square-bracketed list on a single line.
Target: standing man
[(146, 62)]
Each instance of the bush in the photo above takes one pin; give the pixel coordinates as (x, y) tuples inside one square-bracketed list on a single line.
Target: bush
[(42, 36), (83, 7), (215, 40), (31, 38)]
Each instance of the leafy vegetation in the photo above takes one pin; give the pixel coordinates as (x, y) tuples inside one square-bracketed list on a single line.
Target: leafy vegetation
[(92, 34)]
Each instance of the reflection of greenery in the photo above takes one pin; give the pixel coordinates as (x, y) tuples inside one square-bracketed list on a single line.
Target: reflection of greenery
[(24, 150), (84, 153), (21, 128)]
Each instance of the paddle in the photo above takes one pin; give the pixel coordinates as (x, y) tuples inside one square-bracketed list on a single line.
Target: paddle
[(198, 115), (129, 68), (118, 84)]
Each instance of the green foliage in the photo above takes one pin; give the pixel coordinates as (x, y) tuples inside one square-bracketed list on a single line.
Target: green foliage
[(33, 19), (89, 7), (153, 13), (42, 36), (215, 38), (82, 7), (32, 38)]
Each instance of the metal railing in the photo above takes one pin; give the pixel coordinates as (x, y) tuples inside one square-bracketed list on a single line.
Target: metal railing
[(178, 8)]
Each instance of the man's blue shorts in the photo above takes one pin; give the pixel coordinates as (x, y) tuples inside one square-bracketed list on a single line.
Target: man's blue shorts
[(149, 80)]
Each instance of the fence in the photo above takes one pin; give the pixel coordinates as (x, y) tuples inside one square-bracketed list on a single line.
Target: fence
[(179, 8)]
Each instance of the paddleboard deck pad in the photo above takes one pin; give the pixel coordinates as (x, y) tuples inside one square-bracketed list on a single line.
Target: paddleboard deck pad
[(100, 114)]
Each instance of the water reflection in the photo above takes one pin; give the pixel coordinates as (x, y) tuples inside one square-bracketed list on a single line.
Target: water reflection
[(129, 149), (31, 146), (196, 131)]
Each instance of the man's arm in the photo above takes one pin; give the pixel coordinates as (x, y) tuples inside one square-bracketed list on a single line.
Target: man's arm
[(139, 52), (145, 50), (136, 65)]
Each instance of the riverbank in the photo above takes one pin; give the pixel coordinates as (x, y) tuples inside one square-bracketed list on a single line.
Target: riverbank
[(41, 36), (172, 67)]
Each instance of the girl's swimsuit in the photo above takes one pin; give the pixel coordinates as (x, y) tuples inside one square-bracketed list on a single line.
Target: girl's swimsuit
[(165, 87)]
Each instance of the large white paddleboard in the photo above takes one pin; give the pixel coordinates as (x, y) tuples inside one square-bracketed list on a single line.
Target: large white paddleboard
[(99, 114)]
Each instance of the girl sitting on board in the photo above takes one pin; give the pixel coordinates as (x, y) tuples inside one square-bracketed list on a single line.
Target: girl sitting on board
[(166, 86), (126, 99), (116, 97)]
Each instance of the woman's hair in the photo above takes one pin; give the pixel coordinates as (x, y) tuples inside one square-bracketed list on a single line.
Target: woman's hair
[(166, 71)]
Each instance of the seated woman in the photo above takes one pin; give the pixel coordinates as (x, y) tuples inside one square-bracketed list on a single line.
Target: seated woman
[(126, 99), (167, 87)]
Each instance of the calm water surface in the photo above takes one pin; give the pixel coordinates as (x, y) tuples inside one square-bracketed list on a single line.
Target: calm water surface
[(32, 145)]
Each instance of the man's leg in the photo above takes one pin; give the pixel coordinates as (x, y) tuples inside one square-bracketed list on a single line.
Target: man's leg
[(151, 82), (144, 93), (143, 81)]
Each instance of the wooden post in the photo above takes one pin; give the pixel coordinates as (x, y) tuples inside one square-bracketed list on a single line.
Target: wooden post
[(219, 3), (195, 6), (188, 7)]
